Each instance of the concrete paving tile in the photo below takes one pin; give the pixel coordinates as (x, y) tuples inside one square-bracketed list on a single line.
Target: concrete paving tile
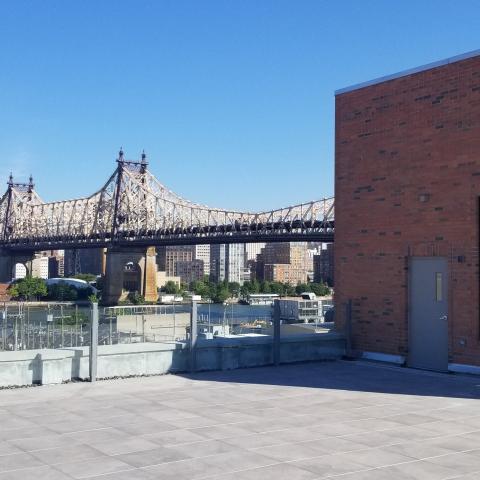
[(409, 433), (337, 445), (167, 414), (94, 467), (256, 440), (9, 422), (417, 450), (173, 437), (89, 437), (411, 419), (453, 443), (447, 428), (297, 435), (374, 424), (137, 474), (376, 474), (39, 473), (184, 469), (336, 429), (460, 462), (192, 422), (25, 432), (66, 454), (329, 465), (371, 439), (17, 461), (238, 460), (290, 451), (39, 443), (470, 476), (67, 426), (7, 448), (421, 470), (219, 432), (376, 457), (155, 456), (130, 445), (145, 426), (283, 471), (202, 449)]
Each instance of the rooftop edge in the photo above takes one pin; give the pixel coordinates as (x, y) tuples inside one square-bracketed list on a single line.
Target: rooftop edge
[(410, 71)]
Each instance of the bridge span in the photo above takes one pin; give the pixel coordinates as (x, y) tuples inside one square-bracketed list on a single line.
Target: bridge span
[(133, 211)]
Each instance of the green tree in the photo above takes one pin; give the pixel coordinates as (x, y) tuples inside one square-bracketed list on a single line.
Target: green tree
[(29, 288), (221, 293), (302, 287), (171, 287), (199, 287), (320, 289), (135, 298), (234, 288)]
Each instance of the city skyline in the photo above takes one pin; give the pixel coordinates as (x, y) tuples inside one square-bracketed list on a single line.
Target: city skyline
[(217, 95)]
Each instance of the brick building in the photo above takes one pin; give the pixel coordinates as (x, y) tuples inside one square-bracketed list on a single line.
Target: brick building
[(407, 189), (283, 262)]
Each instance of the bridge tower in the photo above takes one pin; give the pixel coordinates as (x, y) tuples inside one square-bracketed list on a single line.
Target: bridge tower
[(9, 259), (128, 268)]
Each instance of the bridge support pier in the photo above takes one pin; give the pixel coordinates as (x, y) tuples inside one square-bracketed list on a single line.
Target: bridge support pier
[(122, 263), (9, 259)]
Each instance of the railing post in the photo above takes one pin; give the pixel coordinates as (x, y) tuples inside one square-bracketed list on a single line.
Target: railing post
[(193, 337), (93, 343), (276, 333)]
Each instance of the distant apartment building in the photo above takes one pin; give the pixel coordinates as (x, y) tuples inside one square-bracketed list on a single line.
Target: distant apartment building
[(252, 250), (227, 262), (174, 254), (202, 252), (88, 260), (323, 266), (40, 267), (190, 270), (185, 261), (283, 262), (19, 271), (56, 264)]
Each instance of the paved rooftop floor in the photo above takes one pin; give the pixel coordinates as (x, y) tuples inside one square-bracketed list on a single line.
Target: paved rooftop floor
[(342, 420)]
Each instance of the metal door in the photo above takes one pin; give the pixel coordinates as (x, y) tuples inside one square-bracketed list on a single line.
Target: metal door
[(428, 324)]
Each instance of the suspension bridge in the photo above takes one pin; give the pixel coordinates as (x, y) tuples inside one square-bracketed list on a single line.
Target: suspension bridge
[(134, 208)]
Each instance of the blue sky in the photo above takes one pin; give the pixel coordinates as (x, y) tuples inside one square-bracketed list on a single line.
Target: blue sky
[(233, 101)]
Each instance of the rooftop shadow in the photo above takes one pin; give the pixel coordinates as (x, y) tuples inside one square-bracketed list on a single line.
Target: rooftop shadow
[(358, 376)]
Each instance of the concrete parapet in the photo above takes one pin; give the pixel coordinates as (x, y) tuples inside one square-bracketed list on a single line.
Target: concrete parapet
[(28, 367), (56, 366)]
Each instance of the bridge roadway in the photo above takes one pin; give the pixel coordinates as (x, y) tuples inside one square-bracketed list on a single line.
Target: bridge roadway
[(274, 232)]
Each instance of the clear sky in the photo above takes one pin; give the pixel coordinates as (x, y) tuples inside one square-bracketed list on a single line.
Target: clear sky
[(233, 101)]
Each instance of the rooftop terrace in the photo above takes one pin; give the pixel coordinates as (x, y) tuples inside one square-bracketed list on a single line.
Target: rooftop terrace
[(343, 420)]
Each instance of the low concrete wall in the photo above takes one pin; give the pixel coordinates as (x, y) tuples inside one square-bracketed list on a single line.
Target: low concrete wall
[(55, 366), (29, 367)]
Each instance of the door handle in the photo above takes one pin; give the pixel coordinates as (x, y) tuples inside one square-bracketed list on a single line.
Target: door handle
[(444, 317)]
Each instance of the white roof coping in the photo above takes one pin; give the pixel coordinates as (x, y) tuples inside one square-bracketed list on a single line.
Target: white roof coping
[(403, 73)]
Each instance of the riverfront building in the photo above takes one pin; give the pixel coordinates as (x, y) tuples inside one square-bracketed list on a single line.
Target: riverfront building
[(227, 262), (407, 190)]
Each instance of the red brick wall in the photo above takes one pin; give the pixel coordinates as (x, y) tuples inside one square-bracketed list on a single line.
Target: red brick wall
[(397, 143)]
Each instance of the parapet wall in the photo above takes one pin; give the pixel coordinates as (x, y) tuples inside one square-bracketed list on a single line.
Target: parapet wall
[(61, 365)]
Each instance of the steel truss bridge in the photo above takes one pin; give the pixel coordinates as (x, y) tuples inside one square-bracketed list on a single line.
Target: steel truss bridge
[(134, 209)]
